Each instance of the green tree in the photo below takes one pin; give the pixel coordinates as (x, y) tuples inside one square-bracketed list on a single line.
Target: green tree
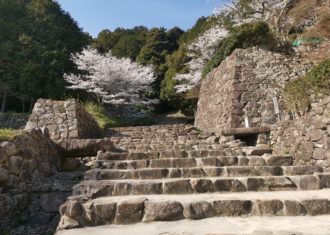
[(130, 43), (104, 41), (37, 39), (176, 63), (122, 42)]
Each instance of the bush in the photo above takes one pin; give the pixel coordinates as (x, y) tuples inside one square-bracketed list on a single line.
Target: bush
[(244, 36), (300, 93)]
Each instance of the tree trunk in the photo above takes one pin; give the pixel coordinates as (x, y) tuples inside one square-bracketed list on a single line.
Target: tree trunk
[(4, 102), (23, 105), (31, 105)]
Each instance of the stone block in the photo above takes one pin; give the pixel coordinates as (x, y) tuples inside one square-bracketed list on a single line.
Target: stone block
[(301, 170), (162, 211), (146, 188), (228, 160), (267, 207), (174, 173), (229, 185), (254, 184), (213, 171), (121, 189), (278, 160), (95, 190), (208, 161), (7, 149), (192, 172), (103, 212), (316, 135), (316, 206), (232, 207), (307, 182), (240, 171), (68, 223), (130, 211), (151, 174), (256, 161), (319, 154), (198, 210), (294, 208), (202, 185), (243, 161), (72, 209), (3, 176), (177, 187), (324, 180), (15, 165)]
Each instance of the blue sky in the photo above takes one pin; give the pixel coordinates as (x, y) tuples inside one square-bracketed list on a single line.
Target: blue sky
[(95, 15)]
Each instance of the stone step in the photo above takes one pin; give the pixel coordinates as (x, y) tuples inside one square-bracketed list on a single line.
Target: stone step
[(158, 155), (150, 208), (195, 162), (162, 147), (140, 155), (198, 172), (103, 188), (251, 225), (165, 138), (256, 151)]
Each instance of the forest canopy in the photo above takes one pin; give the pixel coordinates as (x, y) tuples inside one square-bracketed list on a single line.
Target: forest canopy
[(37, 38)]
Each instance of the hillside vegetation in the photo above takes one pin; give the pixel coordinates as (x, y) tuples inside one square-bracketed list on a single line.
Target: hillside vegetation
[(244, 36), (39, 38), (300, 93)]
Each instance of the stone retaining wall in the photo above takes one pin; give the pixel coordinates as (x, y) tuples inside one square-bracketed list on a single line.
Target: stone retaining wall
[(32, 184), (243, 86), (63, 119), (29, 189), (306, 138)]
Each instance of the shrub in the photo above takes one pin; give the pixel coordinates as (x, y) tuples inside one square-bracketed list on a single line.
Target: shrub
[(244, 36), (300, 93)]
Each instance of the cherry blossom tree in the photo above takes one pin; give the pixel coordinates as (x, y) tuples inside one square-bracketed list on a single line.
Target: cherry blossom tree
[(245, 11), (112, 80), (203, 48), (201, 51)]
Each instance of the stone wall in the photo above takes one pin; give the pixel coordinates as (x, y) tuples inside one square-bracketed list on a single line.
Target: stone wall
[(36, 177), (306, 138), (244, 86), (31, 190), (63, 119)]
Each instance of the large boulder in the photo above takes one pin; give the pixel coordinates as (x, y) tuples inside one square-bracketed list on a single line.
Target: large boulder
[(7, 149)]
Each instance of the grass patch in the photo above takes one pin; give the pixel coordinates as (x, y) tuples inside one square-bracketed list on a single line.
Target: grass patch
[(243, 36), (300, 93), (8, 134), (100, 115)]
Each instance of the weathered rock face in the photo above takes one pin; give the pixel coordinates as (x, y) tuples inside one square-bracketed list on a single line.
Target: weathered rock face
[(63, 119), (38, 152), (244, 86), (307, 138)]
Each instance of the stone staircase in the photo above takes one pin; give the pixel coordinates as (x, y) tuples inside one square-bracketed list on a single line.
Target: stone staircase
[(175, 172)]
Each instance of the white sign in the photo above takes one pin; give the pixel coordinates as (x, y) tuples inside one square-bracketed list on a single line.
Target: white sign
[(276, 107), (247, 124)]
